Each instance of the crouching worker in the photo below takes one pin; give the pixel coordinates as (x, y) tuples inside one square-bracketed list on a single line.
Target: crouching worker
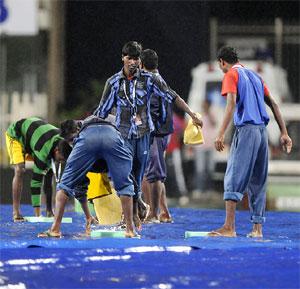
[(98, 142), (35, 140)]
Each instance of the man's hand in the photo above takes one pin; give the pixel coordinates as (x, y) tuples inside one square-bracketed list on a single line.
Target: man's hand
[(286, 143), (219, 143), (197, 120)]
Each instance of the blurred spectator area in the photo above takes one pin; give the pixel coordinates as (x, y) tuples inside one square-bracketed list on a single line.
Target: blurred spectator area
[(18, 105), (274, 40), (40, 73)]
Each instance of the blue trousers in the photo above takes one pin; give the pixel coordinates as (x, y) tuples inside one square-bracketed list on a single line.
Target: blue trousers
[(139, 151), (94, 143), (156, 166), (247, 169)]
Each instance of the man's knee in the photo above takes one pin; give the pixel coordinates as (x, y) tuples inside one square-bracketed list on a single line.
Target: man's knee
[(61, 195), (19, 170)]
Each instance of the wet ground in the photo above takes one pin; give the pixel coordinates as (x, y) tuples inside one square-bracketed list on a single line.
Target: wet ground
[(161, 259)]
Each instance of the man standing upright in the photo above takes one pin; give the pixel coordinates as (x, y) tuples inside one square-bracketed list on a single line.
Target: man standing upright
[(247, 166), (155, 174), (129, 92)]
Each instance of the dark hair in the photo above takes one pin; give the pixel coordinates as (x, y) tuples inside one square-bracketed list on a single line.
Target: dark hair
[(132, 48), (64, 148), (149, 59), (228, 54), (68, 128)]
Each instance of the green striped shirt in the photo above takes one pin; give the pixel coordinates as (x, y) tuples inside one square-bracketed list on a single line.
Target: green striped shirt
[(38, 139)]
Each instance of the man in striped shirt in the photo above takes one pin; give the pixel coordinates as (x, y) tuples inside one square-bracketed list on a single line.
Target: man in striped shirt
[(129, 92), (35, 140)]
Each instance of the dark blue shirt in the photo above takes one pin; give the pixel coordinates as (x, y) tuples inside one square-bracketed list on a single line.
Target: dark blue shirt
[(162, 115), (130, 99)]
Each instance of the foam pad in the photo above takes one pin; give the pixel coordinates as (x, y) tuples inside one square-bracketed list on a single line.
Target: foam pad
[(46, 220), (107, 234), (189, 234)]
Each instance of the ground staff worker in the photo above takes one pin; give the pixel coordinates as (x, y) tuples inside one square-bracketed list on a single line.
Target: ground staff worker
[(38, 141), (100, 146), (247, 166)]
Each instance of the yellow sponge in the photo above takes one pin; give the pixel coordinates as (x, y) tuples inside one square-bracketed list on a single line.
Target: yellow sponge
[(193, 134)]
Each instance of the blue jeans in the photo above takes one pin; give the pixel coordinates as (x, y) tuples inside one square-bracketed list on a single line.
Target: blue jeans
[(139, 151), (97, 142), (247, 169)]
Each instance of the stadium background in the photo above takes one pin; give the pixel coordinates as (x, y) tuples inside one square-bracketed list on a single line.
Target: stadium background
[(59, 71)]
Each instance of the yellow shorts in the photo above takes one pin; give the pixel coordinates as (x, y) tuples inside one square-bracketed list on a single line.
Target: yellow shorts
[(15, 151)]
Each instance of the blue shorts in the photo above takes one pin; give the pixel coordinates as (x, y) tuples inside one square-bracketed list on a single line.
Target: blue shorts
[(97, 142), (247, 169), (156, 168)]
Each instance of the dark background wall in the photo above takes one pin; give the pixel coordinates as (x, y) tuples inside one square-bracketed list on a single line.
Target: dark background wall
[(177, 30), (6, 186)]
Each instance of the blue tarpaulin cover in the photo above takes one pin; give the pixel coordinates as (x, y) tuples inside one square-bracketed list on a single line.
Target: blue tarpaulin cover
[(161, 259)]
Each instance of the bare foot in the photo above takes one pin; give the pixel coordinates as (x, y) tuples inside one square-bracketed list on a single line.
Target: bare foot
[(256, 231), (18, 218), (49, 234), (165, 218), (131, 234), (222, 232), (254, 234), (152, 220)]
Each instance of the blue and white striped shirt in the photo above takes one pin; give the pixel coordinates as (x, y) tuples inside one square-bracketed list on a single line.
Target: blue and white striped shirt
[(131, 100)]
